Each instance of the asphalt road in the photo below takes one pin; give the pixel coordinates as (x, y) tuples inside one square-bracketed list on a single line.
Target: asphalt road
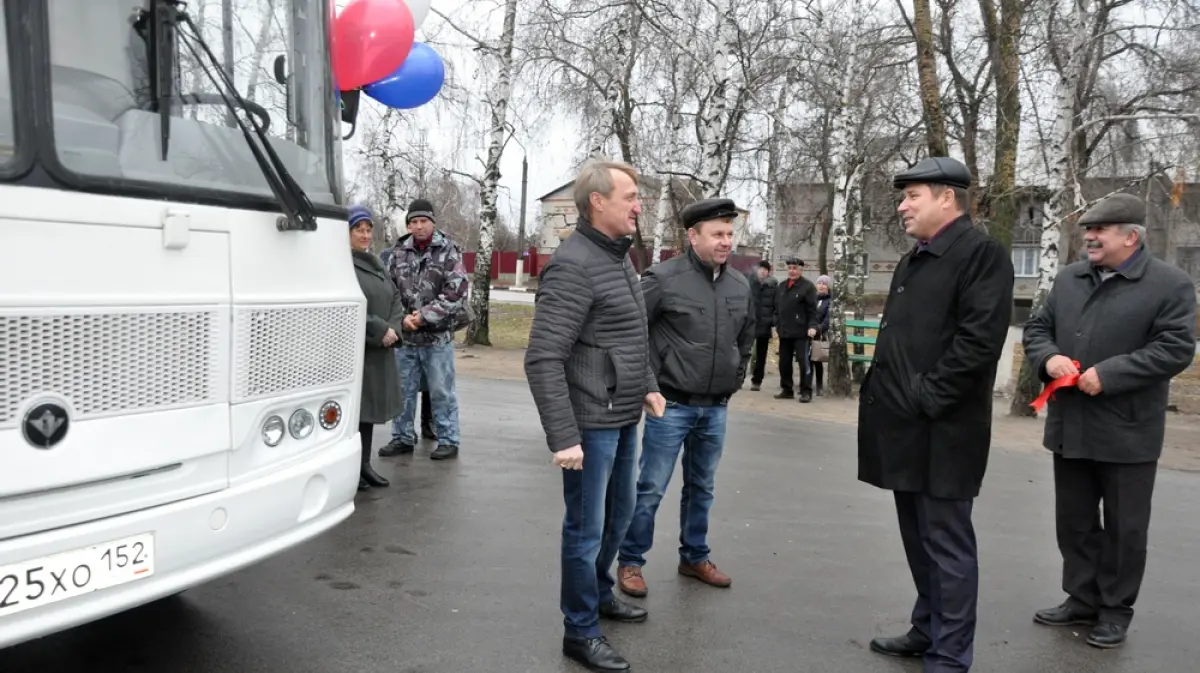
[(455, 570)]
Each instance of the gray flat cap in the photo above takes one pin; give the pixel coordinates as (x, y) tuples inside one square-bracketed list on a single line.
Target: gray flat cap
[(1115, 209), (934, 171)]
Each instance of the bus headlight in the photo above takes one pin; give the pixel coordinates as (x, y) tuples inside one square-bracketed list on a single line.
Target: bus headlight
[(301, 423), (331, 415), (272, 431)]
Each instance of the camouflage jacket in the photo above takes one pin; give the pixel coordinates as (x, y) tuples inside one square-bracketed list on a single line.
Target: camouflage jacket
[(432, 281)]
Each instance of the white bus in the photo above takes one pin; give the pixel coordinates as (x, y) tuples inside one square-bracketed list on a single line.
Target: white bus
[(181, 330)]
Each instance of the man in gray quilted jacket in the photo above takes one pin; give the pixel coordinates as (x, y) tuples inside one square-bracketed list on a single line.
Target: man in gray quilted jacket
[(589, 371)]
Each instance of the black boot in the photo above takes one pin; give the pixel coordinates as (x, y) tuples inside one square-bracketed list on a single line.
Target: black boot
[(444, 451), (367, 475), (911, 644)]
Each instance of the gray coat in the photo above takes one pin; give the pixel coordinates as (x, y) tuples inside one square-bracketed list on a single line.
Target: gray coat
[(587, 362), (1138, 330), (382, 397), (701, 330)]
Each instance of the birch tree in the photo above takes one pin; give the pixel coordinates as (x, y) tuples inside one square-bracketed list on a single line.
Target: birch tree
[(501, 53)]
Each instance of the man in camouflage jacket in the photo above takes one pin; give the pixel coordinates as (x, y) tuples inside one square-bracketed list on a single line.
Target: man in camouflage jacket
[(428, 268)]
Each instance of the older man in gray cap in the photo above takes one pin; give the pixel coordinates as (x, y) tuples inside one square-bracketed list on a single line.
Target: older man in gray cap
[(925, 410), (1124, 323), (701, 320)]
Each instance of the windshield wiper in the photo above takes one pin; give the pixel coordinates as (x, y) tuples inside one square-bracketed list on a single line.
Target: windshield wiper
[(298, 210)]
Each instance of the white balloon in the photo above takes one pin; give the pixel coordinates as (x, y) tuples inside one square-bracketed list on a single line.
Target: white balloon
[(419, 9)]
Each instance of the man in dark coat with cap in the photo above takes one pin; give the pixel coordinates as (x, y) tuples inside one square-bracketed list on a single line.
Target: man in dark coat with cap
[(701, 319), (796, 321), (1125, 323), (925, 408), (763, 287)]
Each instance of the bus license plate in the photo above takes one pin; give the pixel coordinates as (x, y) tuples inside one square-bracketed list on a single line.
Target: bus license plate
[(50, 579)]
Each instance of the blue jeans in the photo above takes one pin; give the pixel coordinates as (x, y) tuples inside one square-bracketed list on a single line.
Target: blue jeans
[(701, 433), (436, 365), (599, 501)]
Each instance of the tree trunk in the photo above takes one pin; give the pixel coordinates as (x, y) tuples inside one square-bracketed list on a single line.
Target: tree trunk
[(845, 166), (1064, 194), (663, 216), (1004, 34), (931, 95), (773, 151), (714, 113), (477, 333)]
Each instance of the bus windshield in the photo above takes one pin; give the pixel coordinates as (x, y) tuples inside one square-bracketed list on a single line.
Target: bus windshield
[(133, 102)]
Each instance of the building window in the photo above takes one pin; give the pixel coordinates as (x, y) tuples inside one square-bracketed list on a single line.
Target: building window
[(1025, 261)]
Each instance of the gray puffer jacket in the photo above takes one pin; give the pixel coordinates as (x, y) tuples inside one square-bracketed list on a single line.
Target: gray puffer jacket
[(587, 362)]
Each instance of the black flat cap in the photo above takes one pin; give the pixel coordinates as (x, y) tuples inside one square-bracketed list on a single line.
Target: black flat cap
[(934, 171), (794, 261), (707, 209), (1115, 209)]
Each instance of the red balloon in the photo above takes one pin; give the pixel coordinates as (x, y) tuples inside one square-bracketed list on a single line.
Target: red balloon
[(371, 39)]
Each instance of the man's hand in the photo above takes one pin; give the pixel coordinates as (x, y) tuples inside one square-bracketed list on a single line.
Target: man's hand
[(812, 333), (656, 404), (413, 321), (1090, 382), (570, 458), (1060, 366), (390, 338)]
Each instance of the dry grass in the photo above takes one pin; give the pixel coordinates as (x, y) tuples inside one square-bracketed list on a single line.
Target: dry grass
[(508, 326)]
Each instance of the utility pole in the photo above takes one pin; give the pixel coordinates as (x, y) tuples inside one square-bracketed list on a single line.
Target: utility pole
[(521, 226)]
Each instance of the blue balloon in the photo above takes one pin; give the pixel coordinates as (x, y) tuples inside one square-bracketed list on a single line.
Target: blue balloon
[(414, 83)]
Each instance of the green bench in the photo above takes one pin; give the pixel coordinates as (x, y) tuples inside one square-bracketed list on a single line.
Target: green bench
[(863, 340)]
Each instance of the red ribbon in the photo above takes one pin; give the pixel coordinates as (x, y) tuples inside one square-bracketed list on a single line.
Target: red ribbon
[(1068, 381)]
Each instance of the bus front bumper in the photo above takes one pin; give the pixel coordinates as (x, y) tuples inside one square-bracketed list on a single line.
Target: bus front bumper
[(194, 540)]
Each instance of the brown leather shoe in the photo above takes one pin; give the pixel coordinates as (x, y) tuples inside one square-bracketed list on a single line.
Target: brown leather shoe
[(706, 572), (629, 578)]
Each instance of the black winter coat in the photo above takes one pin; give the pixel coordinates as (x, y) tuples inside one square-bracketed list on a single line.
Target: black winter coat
[(701, 330), (764, 304), (1138, 330), (587, 362), (925, 407), (795, 308)]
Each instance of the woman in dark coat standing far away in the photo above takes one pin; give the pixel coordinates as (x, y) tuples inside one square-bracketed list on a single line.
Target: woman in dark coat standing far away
[(382, 399)]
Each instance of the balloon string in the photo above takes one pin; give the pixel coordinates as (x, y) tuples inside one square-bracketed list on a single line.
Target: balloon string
[(1068, 381)]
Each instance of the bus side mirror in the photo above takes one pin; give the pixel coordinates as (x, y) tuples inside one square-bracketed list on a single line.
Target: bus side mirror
[(350, 110)]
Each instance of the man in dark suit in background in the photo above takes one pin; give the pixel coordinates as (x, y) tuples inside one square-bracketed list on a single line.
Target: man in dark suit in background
[(925, 408), (796, 322), (763, 287)]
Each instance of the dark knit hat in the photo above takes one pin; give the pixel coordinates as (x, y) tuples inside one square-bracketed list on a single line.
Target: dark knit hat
[(419, 208), (358, 213)]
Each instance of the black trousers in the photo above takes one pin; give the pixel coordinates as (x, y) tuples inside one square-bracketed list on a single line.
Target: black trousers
[(761, 344), (939, 541), (794, 350), (1103, 561)]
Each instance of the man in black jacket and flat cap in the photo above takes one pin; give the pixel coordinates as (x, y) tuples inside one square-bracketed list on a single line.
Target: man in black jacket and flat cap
[(1129, 320), (925, 408), (701, 320)]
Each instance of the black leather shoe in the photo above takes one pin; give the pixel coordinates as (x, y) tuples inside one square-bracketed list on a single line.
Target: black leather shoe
[(1107, 635), (372, 477), (444, 451), (620, 611), (363, 485), (1064, 615), (395, 448), (911, 644), (806, 397), (595, 653)]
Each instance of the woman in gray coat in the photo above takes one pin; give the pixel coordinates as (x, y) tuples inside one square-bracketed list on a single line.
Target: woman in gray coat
[(382, 399)]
